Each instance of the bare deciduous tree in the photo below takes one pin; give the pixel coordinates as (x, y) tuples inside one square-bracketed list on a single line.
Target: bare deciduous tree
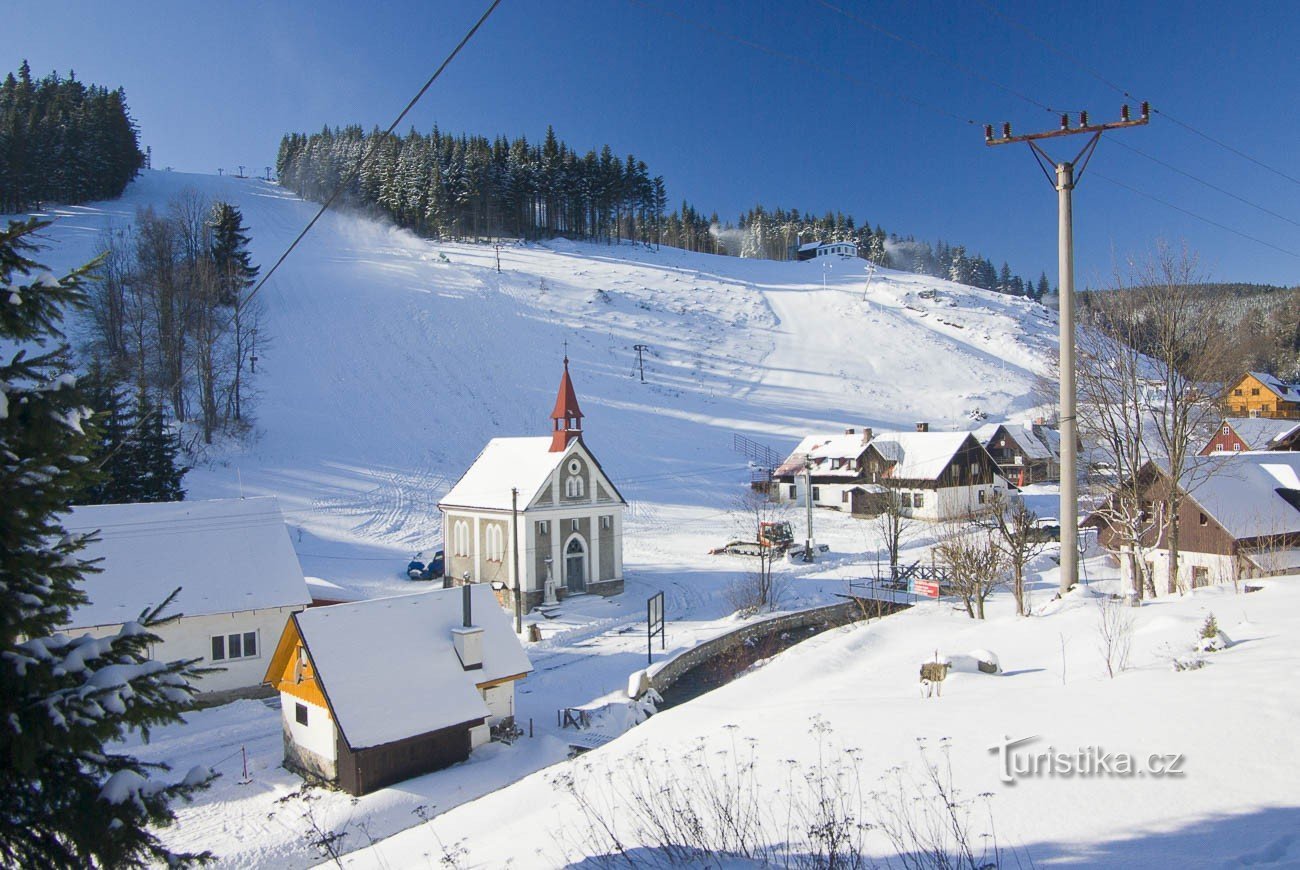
[(895, 526), (975, 564), (760, 587), (1115, 630), (1016, 533), (1151, 368)]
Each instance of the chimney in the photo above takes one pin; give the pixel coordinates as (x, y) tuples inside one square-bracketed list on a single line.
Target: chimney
[(866, 434), (850, 431), (922, 427), (468, 639)]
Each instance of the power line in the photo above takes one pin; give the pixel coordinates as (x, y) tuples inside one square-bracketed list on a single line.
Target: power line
[(987, 4), (1213, 223), (801, 61), (343, 182), (1200, 180)]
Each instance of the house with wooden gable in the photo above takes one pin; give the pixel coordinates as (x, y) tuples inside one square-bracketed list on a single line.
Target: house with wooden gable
[(545, 501), (375, 692), (1237, 434), (1239, 519), (231, 559), (1024, 453), (1259, 394), (934, 475)]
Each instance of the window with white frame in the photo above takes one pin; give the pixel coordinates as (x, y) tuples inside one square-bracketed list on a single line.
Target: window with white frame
[(573, 486), (543, 527), (607, 522), (240, 645), (918, 500), (495, 544), (460, 538), (573, 525)]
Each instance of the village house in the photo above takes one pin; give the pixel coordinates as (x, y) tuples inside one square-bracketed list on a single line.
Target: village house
[(1261, 395), (544, 500), (1236, 434), (813, 250), (378, 691), (1024, 453), (1241, 519), (934, 475), (232, 560)]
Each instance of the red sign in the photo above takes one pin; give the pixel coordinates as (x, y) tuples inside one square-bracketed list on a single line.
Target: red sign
[(926, 588)]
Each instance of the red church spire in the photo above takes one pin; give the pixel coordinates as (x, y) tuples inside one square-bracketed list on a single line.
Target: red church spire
[(567, 415)]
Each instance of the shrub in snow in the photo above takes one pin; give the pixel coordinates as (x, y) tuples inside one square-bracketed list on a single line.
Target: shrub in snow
[(1210, 638), (66, 799)]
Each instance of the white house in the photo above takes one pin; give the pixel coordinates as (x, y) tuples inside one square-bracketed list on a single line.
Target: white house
[(232, 560), (935, 475), (813, 250), (546, 500), (375, 692)]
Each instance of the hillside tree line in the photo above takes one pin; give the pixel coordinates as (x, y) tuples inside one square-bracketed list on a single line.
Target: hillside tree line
[(470, 187), (172, 313), (63, 140)]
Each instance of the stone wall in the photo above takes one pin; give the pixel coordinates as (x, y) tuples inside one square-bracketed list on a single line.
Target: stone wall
[(832, 616), (307, 763)]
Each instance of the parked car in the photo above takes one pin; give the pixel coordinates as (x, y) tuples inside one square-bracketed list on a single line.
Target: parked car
[(1046, 529), (420, 569)]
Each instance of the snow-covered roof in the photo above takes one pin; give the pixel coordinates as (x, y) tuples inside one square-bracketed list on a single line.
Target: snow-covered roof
[(389, 665), (822, 449), (1028, 437), (323, 590), (918, 455), (1260, 432), (504, 464), (1240, 490), (227, 555), (1280, 388)]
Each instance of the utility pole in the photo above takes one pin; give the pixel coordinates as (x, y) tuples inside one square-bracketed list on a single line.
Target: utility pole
[(808, 501), (514, 544), (1065, 182), (497, 246), (640, 363)]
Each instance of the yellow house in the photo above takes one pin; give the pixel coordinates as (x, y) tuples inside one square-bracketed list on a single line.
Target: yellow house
[(1262, 395), (378, 691)]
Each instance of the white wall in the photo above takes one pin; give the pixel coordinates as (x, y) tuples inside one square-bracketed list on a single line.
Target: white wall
[(1221, 569), (500, 701), (317, 735), (191, 638)]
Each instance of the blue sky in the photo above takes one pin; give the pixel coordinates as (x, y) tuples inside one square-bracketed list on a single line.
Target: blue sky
[(729, 125)]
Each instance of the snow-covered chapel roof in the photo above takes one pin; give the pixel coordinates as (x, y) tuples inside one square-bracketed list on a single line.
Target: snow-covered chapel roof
[(226, 555)]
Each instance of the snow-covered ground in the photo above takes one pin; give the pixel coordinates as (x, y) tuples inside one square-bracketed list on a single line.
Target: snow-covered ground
[(1231, 723), (392, 360)]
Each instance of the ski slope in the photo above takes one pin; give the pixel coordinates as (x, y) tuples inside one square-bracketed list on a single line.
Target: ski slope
[(393, 359)]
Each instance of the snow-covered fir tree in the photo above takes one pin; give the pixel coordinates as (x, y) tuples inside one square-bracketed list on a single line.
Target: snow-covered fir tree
[(68, 798)]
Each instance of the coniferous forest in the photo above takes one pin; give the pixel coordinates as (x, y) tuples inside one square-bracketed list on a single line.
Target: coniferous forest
[(63, 140), (470, 187)]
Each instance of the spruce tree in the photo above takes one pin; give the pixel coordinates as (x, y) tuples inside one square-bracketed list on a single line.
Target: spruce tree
[(154, 452), (235, 270), (68, 796)]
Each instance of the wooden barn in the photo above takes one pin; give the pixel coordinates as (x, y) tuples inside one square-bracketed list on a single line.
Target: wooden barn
[(378, 691), (1238, 434), (1241, 519), (1024, 453)]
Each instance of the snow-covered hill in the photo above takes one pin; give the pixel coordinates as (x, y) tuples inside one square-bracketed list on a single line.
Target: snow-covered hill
[(392, 360)]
